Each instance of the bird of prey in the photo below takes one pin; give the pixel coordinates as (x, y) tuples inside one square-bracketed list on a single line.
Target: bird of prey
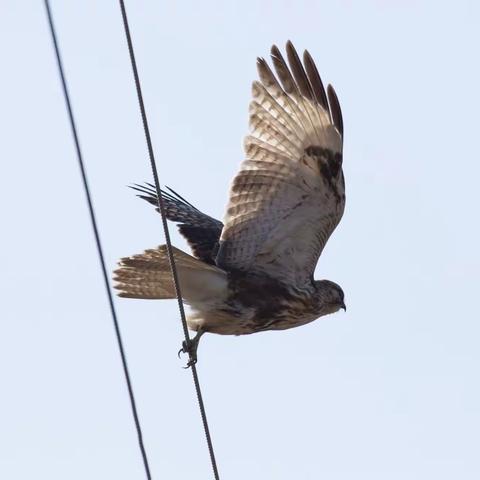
[(254, 272)]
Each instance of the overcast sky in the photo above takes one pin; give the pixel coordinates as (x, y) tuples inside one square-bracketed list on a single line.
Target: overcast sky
[(387, 390)]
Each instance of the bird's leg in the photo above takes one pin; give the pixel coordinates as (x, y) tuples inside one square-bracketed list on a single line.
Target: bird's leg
[(191, 347)]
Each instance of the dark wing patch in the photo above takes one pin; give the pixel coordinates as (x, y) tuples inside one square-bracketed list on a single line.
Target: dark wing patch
[(201, 231)]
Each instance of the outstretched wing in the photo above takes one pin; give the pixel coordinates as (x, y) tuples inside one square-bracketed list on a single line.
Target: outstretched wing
[(201, 231), (289, 194)]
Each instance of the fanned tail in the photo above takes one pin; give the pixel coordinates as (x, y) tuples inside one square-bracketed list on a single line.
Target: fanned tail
[(148, 276)]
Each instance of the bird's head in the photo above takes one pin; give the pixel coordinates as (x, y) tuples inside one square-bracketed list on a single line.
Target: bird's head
[(330, 296)]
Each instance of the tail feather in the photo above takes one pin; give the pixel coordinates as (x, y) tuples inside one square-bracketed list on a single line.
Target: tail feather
[(148, 276)]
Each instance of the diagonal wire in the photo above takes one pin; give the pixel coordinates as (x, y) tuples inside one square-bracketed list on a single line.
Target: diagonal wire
[(171, 258), (97, 240)]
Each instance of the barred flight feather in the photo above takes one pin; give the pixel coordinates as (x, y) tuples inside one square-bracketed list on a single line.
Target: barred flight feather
[(254, 272), (288, 183)]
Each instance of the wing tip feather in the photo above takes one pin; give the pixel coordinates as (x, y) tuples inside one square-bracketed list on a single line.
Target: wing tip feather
[(335, 109)]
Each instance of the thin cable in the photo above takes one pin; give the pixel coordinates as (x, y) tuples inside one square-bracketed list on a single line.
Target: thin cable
[(171, 258), (97, 240)]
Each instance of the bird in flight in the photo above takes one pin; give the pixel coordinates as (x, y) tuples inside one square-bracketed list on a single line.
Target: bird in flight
[(254, 272)]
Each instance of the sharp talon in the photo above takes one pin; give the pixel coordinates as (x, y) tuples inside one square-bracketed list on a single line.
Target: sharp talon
[(190, 347), (184, 349), (191, 362)]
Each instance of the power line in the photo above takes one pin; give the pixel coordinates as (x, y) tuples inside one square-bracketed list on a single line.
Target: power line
[(97, 240), (167, 236)]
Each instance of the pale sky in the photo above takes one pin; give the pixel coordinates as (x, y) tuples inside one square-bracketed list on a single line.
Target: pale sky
[(387, 390)]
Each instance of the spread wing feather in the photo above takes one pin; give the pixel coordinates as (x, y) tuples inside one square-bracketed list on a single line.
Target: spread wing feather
[(289, 194), (201, 231)]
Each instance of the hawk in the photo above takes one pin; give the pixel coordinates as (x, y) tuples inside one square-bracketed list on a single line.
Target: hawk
[(254, 272)]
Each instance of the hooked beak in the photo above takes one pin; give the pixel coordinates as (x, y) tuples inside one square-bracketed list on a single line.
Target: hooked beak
[(344, 307)]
